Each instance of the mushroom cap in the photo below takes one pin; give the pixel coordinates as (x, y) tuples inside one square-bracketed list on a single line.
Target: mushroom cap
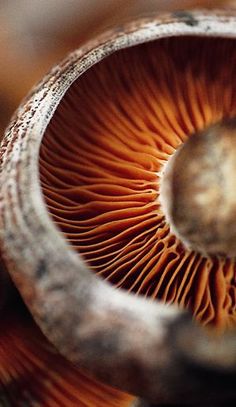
[(102, 159)]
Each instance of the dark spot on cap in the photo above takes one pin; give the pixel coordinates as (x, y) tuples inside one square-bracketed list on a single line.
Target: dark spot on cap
[(10, 236), (186, 17), (41, 269), (99, 344)]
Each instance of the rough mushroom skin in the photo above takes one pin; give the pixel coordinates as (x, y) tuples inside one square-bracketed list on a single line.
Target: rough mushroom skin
[(51, 276), (33, 373)]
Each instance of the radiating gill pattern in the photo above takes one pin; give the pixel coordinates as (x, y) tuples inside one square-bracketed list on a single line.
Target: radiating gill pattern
[(102, 158)]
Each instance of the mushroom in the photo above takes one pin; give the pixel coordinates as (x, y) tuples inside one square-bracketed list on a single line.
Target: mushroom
[(87, 174)]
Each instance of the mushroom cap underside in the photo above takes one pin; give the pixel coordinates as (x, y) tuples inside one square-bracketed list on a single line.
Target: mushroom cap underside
[(102, 159)]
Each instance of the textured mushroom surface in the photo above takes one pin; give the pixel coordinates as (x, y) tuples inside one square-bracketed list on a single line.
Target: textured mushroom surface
[(34, 374), (102, 159)]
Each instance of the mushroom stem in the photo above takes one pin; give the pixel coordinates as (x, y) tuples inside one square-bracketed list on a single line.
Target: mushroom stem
[(198, 191)]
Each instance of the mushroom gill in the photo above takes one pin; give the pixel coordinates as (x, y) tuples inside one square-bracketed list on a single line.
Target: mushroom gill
[(102, 159)]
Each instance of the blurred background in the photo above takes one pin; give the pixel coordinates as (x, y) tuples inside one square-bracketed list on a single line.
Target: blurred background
[(36, 34)]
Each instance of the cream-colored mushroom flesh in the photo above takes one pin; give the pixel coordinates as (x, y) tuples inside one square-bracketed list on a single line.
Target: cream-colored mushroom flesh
[(102, 160)]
